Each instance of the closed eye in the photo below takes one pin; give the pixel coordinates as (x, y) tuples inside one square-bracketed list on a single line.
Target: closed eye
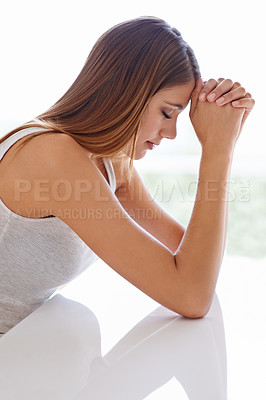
[(166, 115)]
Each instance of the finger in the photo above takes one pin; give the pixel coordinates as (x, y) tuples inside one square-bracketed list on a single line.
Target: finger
[(222, 88), (234, 94), (207, 88), (236, 85), (195, 94), (197, 88), (247, 102)]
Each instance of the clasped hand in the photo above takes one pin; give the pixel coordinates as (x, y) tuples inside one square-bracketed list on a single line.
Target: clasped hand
[(219, 110)]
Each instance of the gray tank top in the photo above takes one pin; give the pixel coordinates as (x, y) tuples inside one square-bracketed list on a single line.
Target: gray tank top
[(37, 255)]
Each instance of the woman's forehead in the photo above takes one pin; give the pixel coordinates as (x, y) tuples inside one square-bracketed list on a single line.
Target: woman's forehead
[(176, 96)]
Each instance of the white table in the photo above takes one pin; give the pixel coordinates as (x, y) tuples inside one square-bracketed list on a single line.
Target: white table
[(113, 343)]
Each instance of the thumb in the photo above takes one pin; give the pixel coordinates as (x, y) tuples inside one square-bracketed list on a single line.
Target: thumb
[(195, 94)]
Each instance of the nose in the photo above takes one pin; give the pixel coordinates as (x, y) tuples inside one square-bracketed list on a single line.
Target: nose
[(169, 132)]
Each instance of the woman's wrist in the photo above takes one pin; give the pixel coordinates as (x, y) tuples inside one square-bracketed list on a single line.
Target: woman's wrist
[(214, 173), (219, 153)]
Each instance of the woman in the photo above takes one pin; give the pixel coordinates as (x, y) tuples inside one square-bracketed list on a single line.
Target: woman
[(70, 192)]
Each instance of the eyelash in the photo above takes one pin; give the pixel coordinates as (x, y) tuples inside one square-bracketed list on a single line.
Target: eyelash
[(166, 115)]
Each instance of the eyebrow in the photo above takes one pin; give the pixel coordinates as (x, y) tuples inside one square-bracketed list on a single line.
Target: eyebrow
[(175, 105)]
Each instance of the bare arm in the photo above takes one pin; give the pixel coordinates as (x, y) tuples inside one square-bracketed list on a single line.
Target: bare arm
[(142, 207), (222, 92), (217, 129), (129, 249), (203, 242)]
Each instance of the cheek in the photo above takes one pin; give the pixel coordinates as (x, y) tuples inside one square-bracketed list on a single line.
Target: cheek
[(149, 128)]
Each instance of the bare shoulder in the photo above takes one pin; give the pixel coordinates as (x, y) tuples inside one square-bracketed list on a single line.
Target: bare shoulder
[(50, 145), (41, 154), (27, 170)]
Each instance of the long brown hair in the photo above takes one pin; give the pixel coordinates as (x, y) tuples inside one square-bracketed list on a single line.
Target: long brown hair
[(103, 108)]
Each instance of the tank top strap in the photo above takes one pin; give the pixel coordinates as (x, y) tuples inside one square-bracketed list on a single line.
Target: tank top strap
[(111, 173), (15, 137)]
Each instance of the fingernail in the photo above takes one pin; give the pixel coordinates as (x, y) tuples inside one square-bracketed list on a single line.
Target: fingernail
[(202, 96), (211, 96), (220, 100), (235, 103)]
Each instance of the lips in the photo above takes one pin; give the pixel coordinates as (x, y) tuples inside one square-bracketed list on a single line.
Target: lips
[(150, 145), (156, 144)]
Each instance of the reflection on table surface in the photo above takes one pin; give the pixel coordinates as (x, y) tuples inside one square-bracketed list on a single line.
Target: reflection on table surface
[(55, 353)]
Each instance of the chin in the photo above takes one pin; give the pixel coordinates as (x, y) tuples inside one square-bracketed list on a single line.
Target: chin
[(139, 155)]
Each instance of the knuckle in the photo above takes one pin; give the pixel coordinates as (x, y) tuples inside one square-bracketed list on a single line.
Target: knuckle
[(237, 84), (229, 96)]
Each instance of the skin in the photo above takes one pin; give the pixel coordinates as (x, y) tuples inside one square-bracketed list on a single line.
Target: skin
[(225, 91), (155, 125), (175, 266)]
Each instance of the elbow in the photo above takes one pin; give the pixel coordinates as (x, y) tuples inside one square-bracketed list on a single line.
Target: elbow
[(195, 313), (199, 310), (195, 309)]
